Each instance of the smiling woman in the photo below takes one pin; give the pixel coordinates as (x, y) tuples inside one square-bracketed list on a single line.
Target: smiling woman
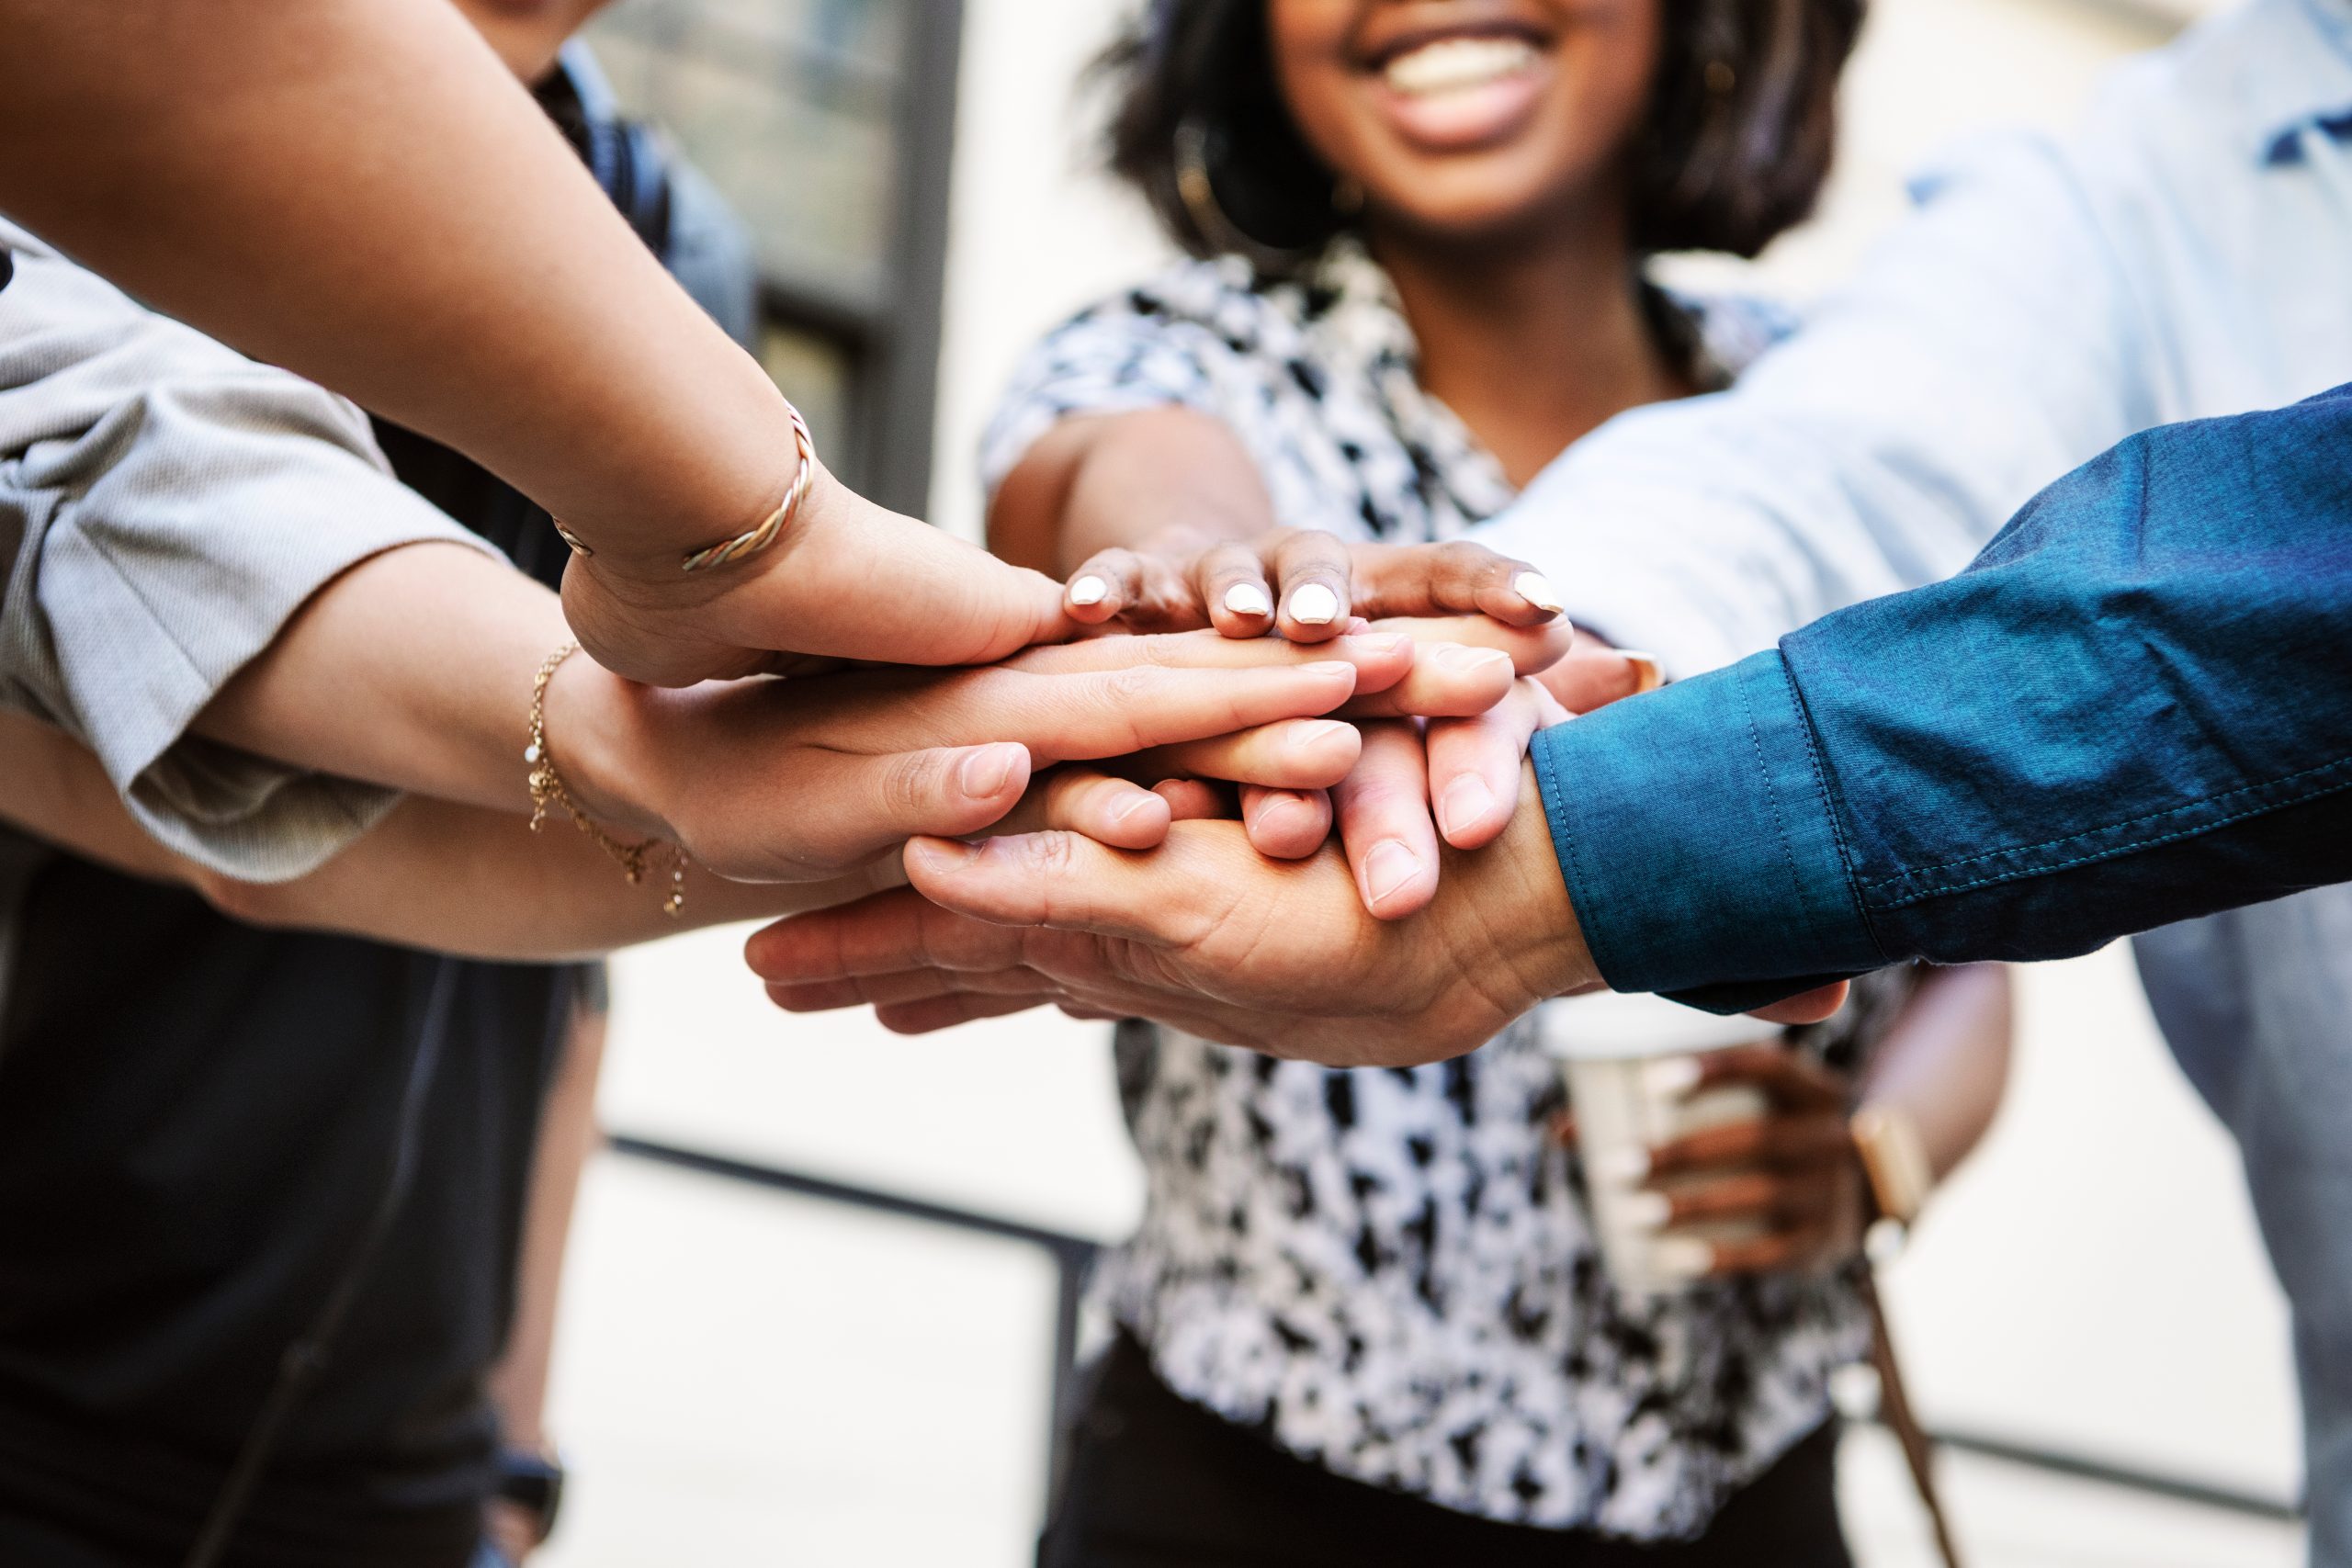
[(1364, 1319)]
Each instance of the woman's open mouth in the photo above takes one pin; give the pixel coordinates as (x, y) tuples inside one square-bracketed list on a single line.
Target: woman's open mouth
[(1456, 91)]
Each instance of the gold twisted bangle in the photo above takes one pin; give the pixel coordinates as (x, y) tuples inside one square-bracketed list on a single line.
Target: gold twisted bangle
[(743, 546), (547, 789)]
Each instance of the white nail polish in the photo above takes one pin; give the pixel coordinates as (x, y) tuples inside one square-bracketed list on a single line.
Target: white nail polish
[(1534, 587), (1672, 1076), (1682, 1258), (1247, 599), (1619, 1167), (1314, 606), (1647, 1211), (1088, 590)]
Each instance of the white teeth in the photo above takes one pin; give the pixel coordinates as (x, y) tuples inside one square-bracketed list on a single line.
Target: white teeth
[(1451, 64)]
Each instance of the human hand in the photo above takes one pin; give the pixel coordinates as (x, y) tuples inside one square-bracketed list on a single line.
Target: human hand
[(1454, 779), (1303, 583), (847, 579), (803, 779), (1792, 1176), (1203, 932)]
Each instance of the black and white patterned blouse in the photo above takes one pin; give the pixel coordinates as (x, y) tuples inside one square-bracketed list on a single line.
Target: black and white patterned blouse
[(1391, 1272)]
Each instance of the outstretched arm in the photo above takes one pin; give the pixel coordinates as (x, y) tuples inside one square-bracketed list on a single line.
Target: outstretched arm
[(2122, 715), (1994, 340), (358, 190), (433, 874)]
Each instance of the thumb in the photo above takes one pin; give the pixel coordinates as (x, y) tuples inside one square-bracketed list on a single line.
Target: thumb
[(853, 807)]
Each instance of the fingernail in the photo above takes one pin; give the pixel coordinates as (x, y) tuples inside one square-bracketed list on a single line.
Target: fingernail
[(1534, 587), (1466, 660), (1247, 599), (1088, 590), (1649, 675), (1332, 667), (1682, 1258), (1381, 643), (1647, 1211), (1619, 1167), (1389, 867), (943, 854), (986, 772), (1314, 606), (1467, 800), (1309, 734), (1672, 1078), (1128, 804)]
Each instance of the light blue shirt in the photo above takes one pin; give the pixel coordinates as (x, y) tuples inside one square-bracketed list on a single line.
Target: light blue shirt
[(2186, 252)]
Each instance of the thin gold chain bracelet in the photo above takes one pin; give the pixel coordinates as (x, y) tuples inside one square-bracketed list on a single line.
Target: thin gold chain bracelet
[(547, 789), (752, 541)]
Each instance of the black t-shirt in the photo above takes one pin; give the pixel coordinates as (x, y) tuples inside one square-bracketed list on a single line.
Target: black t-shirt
[(197, 1119), (197, 1122)]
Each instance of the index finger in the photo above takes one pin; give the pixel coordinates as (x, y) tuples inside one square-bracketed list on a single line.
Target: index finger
[(1457, 576)]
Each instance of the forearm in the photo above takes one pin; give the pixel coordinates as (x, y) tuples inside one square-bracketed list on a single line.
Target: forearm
[(433, 875), (1125, 480), (1946, 1062), (313, 184), (1986, 346), (2115, 719), (413, 670)]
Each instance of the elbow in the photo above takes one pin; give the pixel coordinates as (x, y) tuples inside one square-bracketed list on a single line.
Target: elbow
[(270, 905)]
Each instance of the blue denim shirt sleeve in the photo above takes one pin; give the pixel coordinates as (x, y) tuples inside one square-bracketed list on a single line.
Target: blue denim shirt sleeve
[(2130, 709)]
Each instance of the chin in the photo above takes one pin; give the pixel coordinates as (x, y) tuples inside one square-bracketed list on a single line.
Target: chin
[(1470, 211)]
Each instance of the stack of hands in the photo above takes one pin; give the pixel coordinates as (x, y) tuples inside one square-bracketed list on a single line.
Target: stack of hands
[(1241, 789)]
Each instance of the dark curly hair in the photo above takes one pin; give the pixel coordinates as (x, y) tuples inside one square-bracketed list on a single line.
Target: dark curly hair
[(1737, 140)]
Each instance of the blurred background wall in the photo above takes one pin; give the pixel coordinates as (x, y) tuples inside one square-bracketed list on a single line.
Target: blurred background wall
[(752, 1378)]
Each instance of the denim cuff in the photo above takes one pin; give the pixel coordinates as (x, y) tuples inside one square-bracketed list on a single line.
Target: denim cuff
[(1696, 839)]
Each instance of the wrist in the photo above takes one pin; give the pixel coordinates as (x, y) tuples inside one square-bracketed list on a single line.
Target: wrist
[(605, 735), (1529, 923)]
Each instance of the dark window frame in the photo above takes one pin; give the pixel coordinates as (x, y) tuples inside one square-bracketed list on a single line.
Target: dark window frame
[(880, 326)]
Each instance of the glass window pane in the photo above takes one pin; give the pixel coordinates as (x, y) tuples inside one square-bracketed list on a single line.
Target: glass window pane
[(788, 106)]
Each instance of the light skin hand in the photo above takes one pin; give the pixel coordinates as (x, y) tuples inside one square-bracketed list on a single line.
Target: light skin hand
[(804, 778), (847, 579)]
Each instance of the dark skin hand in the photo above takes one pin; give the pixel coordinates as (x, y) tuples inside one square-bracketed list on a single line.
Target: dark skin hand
[(1793, 1173)]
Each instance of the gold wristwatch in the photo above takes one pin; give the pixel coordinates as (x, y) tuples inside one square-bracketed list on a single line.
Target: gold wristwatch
[(1894, 1164)]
